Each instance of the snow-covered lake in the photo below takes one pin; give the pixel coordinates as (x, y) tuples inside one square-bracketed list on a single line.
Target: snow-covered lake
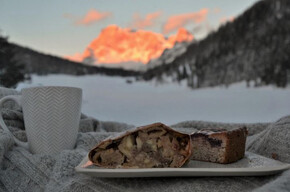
[(140, 103)]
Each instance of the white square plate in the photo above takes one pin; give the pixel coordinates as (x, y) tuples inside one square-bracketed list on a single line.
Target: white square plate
[(251, 165)]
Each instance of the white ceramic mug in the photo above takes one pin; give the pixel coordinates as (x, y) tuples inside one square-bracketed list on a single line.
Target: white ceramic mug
[(51, 117)]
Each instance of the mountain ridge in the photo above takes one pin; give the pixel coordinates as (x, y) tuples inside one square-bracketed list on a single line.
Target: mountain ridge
[(115, 45)]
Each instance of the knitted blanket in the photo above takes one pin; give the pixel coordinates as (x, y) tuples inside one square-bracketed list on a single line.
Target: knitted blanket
[(22, 171)]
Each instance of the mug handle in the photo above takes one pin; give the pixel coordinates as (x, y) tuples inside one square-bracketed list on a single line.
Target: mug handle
[(16, 99)]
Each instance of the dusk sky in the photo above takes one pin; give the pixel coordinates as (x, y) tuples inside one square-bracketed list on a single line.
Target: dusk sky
[(67, 27)]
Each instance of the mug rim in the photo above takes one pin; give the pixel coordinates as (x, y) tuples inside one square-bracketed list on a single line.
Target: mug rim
[(45, 87)]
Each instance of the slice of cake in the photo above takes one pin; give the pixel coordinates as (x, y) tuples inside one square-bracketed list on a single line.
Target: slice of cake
[(151, 146), (219, 145)]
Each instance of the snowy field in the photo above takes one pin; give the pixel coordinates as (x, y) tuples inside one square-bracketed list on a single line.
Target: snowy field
[(140, 103)]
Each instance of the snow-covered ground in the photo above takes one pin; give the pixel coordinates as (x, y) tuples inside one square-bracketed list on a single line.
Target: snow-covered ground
[(139, 103)]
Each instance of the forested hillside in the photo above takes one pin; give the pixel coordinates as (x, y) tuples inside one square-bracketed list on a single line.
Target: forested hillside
[(254, 47)]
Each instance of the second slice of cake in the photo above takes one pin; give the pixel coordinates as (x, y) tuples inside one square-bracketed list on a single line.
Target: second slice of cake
[(219, 145)]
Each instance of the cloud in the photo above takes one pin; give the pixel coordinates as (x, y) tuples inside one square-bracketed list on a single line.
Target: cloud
[(91, 17), (148, 21), (176, 21), (226, 19)]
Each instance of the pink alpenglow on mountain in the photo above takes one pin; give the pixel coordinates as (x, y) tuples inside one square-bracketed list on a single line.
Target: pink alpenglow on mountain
[(116, 45)]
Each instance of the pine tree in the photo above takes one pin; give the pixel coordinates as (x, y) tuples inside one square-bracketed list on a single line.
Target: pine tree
[(11, 71)]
